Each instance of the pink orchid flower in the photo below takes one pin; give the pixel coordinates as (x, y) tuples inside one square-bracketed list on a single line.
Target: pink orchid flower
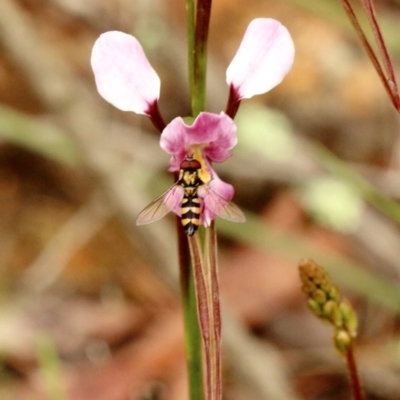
[(207, 140), (125, 78)]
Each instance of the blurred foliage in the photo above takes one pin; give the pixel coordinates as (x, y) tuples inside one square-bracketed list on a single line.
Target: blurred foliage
[(29, 132)]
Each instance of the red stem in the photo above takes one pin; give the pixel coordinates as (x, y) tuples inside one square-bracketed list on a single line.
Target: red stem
[(354, 378), (203, 310), (216, 306), (391, 88), (370, 10)]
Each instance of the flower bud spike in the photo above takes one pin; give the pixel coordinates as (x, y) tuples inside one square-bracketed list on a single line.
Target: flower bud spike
[(325, 302)]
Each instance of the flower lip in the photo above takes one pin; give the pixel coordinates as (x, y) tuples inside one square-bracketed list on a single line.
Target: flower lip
[(211, 134), (123, 74), (263, 59)]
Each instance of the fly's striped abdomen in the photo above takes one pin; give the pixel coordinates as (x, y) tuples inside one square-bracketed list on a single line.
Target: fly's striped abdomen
[(191, 179), (190, 211)]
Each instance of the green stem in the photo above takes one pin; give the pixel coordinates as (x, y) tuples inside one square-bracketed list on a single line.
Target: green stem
[(193, 338), (198, 52), (198, 23), (191, 25)]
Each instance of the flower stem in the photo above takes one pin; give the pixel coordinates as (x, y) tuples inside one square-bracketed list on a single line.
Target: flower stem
[(203, 309), (191, 25), (198, 24), (354, 378), (198, 35), (215, 308), (193, 338)]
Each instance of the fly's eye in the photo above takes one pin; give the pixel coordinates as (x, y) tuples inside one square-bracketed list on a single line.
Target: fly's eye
[(194, 164), (185, 164), (190, 164)]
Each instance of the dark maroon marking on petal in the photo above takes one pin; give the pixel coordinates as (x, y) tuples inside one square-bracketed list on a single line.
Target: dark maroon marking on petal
[(233, 102), (155, 116)]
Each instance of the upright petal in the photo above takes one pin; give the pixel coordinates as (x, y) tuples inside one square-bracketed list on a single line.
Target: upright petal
[(264, 58), (124, 76)]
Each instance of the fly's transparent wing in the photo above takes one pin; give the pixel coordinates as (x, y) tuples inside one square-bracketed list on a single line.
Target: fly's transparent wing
[(232, 212), (161, 206), (222, 207)]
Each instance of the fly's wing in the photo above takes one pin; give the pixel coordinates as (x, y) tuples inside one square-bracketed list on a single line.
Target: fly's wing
[(222, 207), (161, 206), (232, 212)]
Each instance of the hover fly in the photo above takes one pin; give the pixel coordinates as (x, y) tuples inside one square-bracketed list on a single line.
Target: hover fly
[(185, 194)]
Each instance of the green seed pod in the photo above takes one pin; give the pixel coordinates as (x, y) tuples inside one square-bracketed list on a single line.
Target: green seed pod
[(315, 307), (342, 341), (334, 293), (319, 296), (319, 276), (326, 286), (328, 309), (337, 318), (349, 317), (308, 287)]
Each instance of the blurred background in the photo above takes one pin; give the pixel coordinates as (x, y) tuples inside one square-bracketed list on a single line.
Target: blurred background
[(90, 303)]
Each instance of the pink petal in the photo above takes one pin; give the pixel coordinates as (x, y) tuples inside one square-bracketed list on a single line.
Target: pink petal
[(124, 76), (215, 134), (214, 198), (264, 58)]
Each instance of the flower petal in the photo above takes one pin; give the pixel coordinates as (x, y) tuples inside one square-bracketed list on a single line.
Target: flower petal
[(214, 134), (124, 76), (215, 195), (264, 58)]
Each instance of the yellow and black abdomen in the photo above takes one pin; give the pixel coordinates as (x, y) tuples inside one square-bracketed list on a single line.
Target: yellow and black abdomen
[(190, 211)]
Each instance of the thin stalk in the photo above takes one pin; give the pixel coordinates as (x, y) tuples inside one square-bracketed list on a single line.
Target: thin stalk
[(370, 10), (388, 83), (387, 62), (354, 378), (193, 339), (203, 310), (191, 25), (215, 307), (198, 25), (203, 13)]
